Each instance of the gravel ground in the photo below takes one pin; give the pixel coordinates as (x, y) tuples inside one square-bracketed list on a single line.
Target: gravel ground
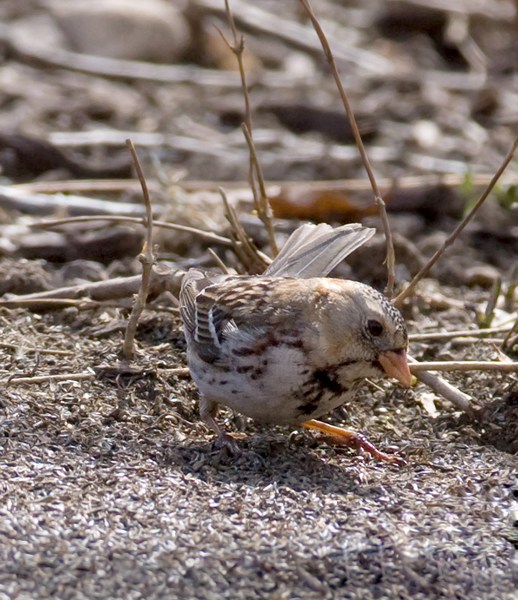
[(110, 486)]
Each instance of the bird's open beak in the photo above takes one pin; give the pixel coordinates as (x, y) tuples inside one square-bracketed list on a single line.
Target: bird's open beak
[(395, 365)]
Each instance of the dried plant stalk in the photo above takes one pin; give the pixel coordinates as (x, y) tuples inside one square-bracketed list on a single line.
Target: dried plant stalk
[(390, 259), (256, 179), (207, 235), (250, 257), (464, 365), (444, 388), (147, 258)]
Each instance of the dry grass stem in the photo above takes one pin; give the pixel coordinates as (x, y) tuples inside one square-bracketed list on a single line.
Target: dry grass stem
[(99, 293), (238, 49), (82, 185), (117, 185), (262, 204), (425, 270), (37, 350), (510, 338), (509, 297), (447, 335), (39, 302), (179, 372), (251, 258), (148, 260), (444, 388), (390, 258), (218, 261), (256, 179), (210, 237), (489, 313), (44, 378), (474, 365)]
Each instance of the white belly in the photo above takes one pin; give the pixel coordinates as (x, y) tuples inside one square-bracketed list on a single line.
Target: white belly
[(268, 389)]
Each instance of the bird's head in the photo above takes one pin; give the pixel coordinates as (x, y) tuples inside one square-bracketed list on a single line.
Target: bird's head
[(357, 323)]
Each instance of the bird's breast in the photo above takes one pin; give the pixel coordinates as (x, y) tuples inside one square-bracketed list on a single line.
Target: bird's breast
[(278, 385)]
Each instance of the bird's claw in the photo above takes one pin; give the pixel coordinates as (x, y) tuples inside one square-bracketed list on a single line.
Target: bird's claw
[(362, 445), (346, 437), (228, 445)]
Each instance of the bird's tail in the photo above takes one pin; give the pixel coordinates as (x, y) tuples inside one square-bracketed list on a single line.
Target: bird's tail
[(315, 250)]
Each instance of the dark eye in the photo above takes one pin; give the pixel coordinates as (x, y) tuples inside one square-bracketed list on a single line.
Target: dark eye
[(375, 327)]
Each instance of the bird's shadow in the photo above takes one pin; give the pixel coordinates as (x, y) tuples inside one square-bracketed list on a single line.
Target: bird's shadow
[(267, 459)]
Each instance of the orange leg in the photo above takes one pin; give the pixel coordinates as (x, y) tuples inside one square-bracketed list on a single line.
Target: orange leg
[(353, 439)]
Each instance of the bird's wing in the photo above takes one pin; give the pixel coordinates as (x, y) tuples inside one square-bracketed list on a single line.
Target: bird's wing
[(188, 293), (315, 250), (207, 321), (235, 312)]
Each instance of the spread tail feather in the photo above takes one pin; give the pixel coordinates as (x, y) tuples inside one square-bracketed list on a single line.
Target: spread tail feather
[(315, 250)]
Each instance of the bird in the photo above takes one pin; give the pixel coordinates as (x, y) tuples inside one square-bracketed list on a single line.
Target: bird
[(291, 345)]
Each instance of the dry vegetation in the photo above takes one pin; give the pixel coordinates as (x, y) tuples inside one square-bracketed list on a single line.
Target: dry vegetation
[(110, 486)]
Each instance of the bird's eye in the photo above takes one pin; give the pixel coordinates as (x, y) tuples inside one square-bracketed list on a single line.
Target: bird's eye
[(375, 327)]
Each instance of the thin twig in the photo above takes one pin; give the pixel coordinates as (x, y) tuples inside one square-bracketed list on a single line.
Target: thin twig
[(262, 203), (178, 372), (43, 378), (272, 187), (398, 301), (511, 288), (390, 259), (251, 258), (468, 341), (100, 293), (211, 237), (38, 350), (256, 179), (469, 365), (445, 389), (147, 258), (238, 49), (510, 336), (41, 303), (446, 335), (218, 261)]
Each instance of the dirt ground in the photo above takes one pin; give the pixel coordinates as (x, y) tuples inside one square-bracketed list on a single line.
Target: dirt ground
[(110, 486)]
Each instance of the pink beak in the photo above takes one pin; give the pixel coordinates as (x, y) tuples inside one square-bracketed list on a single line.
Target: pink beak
[(395, 365)]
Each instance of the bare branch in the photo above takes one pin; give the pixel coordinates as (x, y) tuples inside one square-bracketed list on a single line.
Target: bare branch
[(448, 335)]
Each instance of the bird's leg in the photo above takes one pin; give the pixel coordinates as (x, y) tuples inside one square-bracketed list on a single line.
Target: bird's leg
[(225, 441), (353, 439)]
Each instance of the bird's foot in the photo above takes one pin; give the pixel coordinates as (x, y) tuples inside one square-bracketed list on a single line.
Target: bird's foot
[(228, 445), (353, 439), (224, 442)]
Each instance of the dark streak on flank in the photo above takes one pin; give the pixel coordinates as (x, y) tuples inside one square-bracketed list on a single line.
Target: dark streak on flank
[(316, 386)]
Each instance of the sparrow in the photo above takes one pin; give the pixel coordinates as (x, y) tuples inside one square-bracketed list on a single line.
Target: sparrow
[(291, 345)]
